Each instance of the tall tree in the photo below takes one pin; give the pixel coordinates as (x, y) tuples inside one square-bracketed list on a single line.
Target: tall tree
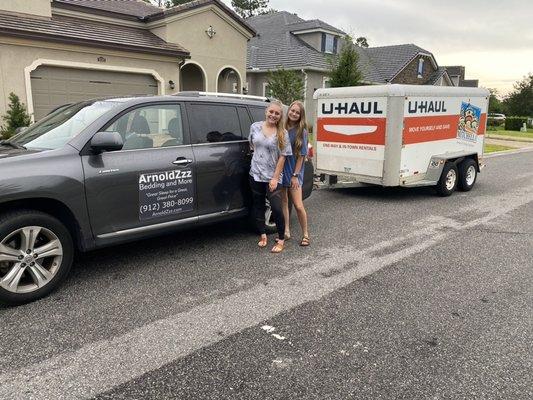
[(362, 41), (344, 67), (249, 8), (285, 85), (16, 116), (520, 101), (495, 104)]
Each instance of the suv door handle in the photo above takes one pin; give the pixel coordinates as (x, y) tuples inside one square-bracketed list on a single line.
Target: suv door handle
[(182, 161)]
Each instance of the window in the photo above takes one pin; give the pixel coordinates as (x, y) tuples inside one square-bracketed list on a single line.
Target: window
[(266, 90), (326, 83), (153, 126), (212, 123), (420, 67), (329, 44), (258, 113), (244, 118)]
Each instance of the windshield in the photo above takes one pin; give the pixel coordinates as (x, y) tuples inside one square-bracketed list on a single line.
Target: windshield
[(56, 129)]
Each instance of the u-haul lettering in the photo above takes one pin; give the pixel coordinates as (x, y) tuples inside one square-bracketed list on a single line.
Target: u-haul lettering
[(371, 107)]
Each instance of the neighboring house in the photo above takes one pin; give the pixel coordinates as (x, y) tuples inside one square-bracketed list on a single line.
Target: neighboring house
[(54, 52), (285, 40), (457, 75)]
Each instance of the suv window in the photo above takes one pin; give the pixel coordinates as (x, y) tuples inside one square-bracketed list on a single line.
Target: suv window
[(211, 123), (246, 122), (153, 126), (258, 113)]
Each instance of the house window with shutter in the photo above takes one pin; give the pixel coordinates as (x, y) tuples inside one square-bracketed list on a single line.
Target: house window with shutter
[(420, 67), (329, 43)]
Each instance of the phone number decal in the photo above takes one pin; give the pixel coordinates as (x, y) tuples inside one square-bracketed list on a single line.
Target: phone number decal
[(165, 193)]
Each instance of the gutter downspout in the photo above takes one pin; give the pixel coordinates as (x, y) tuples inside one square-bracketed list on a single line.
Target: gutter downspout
[(305, 87)]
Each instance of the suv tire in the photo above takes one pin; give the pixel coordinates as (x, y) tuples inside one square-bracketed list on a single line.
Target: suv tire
[(36, 253)]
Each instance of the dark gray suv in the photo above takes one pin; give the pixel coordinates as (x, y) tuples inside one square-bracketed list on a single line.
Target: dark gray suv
[(108, 171)]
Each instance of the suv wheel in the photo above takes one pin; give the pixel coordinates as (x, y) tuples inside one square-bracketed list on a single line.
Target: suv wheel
[(36, 253)]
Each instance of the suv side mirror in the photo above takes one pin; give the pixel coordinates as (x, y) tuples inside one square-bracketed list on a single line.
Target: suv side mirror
[(106, 141)]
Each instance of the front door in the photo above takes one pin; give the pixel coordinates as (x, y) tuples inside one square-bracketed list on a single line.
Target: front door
[(148, 184)]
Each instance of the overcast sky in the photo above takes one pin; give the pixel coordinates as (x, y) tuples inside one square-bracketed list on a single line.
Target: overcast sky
[(493, 39)]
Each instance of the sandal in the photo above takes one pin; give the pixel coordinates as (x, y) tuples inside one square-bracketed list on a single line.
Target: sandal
[(278, 248), (262, 242), (305, 241)]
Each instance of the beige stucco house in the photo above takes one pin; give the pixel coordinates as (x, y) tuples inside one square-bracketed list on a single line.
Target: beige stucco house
[(55, 52)]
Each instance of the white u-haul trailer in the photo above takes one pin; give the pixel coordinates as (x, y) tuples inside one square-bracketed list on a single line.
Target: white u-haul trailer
[(401, 135)]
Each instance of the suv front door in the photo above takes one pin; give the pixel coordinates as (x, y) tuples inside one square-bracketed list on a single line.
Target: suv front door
[(150, 184)]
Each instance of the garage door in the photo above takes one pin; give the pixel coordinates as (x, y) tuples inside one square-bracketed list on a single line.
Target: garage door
[(53, 86)]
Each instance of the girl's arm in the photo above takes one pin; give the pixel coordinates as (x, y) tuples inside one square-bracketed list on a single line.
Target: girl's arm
[(273, 184)]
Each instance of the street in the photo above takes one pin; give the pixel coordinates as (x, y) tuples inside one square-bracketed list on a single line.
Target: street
[(401, 295)]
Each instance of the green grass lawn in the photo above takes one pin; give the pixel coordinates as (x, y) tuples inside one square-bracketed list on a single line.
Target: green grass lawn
[(500, 131), (492, 148), (514, 134)]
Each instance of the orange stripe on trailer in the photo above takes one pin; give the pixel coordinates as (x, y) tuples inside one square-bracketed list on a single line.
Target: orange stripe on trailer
[(437, 127), (352, 130), (482, 124), (428, 129)]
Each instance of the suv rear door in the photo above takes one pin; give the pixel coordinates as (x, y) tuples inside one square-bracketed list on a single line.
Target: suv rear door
[(149, 185), (221, 154)]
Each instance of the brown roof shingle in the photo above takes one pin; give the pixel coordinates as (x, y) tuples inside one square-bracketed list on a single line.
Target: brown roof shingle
[(133, 8), (80, 31)]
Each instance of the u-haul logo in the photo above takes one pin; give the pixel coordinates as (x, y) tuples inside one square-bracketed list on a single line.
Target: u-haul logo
[(351, 130), (363, 107)]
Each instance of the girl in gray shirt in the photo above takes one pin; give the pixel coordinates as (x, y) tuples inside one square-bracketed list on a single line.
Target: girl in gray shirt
[(270, 144)]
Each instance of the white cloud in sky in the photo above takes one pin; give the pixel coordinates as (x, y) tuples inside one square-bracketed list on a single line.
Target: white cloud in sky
[(492, 39)]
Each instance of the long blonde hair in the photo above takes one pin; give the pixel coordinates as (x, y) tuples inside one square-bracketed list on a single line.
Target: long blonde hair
[(280, 129), (301, 126)]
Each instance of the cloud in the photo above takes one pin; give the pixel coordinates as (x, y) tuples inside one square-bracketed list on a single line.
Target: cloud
[(493, 39)]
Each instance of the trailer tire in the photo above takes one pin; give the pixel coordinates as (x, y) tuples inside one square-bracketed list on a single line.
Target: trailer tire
[(448, 180), (467, 175)]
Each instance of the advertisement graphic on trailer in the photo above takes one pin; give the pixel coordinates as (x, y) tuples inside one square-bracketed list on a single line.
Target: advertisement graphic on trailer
[(469, 121)]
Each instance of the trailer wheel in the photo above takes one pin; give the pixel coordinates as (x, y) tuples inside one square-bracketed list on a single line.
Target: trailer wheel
[(467, 174), (448, 180)]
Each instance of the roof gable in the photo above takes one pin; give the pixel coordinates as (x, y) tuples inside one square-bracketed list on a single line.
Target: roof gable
[(391, 60)]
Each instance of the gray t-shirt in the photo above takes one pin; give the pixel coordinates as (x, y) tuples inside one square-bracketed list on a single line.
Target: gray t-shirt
[(266, 153)]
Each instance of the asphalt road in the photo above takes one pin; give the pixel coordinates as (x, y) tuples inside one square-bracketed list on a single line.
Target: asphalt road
[(401, 295)]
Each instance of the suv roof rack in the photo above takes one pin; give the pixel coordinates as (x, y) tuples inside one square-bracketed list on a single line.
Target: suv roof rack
[(230, 95)]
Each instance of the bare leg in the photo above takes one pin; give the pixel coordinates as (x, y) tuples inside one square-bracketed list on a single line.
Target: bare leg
[(296, 196)]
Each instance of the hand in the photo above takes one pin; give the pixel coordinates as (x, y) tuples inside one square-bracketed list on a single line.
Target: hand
[(295, 183), (273, 184)]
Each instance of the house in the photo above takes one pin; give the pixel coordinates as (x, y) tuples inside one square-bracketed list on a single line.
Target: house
[(285, 40), (457, 75), (55, 52)]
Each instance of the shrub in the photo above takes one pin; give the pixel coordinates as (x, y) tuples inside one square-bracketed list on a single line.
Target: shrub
[(491, 122), (514, 123), (16, 116)]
